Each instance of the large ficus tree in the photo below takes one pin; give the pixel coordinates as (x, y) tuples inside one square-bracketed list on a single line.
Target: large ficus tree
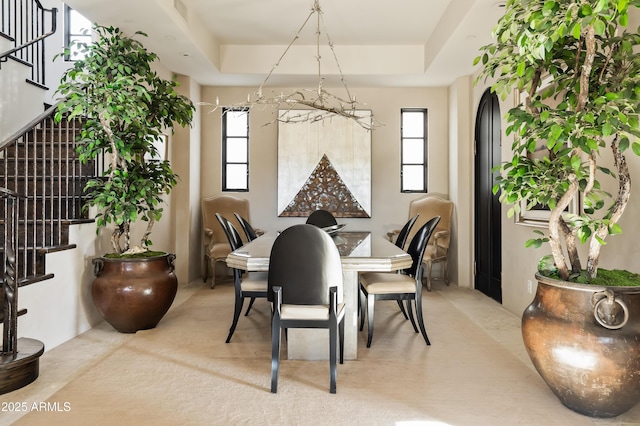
[(578, 66), (126, 107)]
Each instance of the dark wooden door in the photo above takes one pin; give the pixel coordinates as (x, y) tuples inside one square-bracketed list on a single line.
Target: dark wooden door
[(488, 231)]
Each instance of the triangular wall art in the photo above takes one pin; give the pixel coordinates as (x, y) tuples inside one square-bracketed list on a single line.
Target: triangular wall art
[(325, 189), (324, 164)]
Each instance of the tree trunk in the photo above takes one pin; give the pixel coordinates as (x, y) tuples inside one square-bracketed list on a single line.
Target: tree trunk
[(555, 228), (622, 199)]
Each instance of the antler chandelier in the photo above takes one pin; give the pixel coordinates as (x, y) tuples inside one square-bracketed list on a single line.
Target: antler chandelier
[(321, 103)]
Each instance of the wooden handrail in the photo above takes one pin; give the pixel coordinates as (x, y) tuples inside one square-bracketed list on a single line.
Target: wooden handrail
[(40, 161), (34, 41), (30, 125), (9, 193), (24, 21)]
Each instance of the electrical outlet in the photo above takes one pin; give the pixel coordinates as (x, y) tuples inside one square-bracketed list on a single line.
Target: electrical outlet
[(529, 286)]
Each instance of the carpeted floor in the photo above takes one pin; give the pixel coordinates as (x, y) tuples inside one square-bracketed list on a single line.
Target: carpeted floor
[(182, 372)]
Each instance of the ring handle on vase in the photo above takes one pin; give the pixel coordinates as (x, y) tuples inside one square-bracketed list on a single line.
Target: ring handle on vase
[(98, 265), (605, 309), (171, 258)]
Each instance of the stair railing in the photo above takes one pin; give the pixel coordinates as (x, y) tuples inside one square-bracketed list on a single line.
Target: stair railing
[(25, 22), (40, 161)]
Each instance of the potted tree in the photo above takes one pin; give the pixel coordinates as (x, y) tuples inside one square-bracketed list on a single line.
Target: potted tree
[(125, 107), (578, 69)]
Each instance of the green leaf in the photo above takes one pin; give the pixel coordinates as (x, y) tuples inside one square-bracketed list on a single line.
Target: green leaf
[(577, 29), (575, 162), (599, 27), (586, 10), (622, 5), (615, 229), (624, 19), (636, 148), (624, 144), (534, 242), (584, 232)]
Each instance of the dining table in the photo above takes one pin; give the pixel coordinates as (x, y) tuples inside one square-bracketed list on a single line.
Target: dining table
[(360, 251)]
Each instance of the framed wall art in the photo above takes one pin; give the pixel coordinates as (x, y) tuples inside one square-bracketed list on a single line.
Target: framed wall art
[(323, 163)]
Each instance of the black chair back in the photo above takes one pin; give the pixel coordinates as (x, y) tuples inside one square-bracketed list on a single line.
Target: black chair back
[(321, 219), (418, 245), (305, 262), (230, 231), (404, 232), (246, 227)]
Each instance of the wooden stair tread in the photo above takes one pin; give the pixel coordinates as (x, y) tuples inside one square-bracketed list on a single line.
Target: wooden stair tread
[(58, 248), (32, 279)]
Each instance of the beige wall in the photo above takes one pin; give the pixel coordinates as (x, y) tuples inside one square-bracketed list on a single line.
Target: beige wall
[(461, 118), (185, 228), (389, 207)]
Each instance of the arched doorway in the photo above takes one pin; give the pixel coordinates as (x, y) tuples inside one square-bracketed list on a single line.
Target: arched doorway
[(488, 230)]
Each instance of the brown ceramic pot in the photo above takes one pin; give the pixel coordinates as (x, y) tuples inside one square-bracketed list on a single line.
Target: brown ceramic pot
[(134, 294), (584, 341)]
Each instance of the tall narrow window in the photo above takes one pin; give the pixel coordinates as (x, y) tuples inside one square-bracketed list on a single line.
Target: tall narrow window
[(77, 29), (235, 149), (413, 162)]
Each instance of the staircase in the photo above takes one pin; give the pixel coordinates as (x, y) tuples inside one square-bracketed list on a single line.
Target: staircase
[(41, 181), (41, 165), (41, 186)]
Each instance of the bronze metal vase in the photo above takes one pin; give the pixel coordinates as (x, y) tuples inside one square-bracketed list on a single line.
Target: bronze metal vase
[(134, 294), (584, 340)]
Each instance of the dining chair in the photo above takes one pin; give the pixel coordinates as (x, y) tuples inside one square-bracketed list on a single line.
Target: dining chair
[(216, 245), (248, 230), (321, 219), (401, 241), (305, 285), (403, 235), (393, 286), (246, 285), (437, 250)]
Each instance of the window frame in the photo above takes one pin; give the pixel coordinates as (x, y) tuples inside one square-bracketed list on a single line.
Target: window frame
[(225, 161), (68, 36), (424, 163)]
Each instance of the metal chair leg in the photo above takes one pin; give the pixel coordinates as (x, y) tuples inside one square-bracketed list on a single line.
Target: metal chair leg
[(253, 299), (413, 321), (404, 312), (236, 315), (421, 321), (275, 355), (333, 347), (370, 305)]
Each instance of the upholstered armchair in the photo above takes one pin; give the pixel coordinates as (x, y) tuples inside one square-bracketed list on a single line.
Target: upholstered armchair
[(438, 248), (216, 244)]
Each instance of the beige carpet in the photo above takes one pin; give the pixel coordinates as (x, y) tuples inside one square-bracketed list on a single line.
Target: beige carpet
[(182, 373)]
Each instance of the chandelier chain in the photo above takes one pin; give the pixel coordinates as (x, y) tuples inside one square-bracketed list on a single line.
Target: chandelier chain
[(322, 104)]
